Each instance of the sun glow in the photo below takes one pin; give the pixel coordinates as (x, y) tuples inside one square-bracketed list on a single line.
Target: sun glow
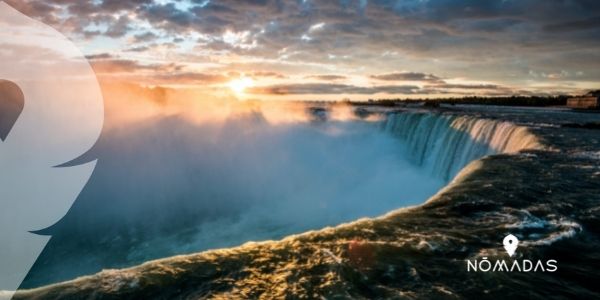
[(238, 86)]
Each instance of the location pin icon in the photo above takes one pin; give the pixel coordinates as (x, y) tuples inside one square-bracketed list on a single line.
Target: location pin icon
[(12, 102), (510, 244)]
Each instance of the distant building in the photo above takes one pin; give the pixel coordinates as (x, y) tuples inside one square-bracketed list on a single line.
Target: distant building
[(590, 101)]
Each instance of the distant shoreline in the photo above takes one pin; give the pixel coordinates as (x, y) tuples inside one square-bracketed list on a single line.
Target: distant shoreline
[(531, 101)]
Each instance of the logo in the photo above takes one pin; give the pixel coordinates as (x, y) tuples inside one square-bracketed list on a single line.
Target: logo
[(51, 112), (511, 243)]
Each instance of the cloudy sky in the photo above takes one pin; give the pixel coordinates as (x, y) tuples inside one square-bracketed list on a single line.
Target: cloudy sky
[(335, 49)]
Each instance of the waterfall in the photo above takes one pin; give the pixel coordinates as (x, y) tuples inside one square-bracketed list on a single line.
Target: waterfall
[(446, 143)]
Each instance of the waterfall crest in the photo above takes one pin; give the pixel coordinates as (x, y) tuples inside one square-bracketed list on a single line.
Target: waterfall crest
[(445, 143)]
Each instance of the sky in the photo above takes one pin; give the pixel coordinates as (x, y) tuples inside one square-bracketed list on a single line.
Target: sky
[(337, 49)]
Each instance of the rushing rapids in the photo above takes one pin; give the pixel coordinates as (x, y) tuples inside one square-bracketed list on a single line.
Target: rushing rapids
[(538, 182)]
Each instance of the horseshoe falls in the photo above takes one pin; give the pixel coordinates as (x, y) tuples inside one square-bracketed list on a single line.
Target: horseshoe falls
[(184, 187), (444, 144)]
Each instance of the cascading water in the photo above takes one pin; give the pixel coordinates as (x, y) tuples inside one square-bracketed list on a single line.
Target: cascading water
[(445, 143), (420, 251), (254, 180)]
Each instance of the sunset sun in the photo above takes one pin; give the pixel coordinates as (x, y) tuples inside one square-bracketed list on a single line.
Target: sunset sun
[(238, 86)]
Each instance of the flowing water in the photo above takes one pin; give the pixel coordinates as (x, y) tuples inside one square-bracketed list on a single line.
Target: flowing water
[(444, 144), (525, 174)]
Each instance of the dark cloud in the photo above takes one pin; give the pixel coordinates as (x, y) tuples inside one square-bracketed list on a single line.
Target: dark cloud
[(119, 28), (584, 24), (499, 41), (145, 37), (327, 77), (119, 5), (168, 14), (331, 89), (137, 49), (489, 26), (407, 76), (468, 86), (99, 56), (42, 10)]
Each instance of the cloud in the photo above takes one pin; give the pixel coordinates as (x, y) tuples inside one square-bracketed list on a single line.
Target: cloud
[(105, 63), (324, 88), (316, 27), (42, 10), (137, 49), (467, 86), (491, 41), (190, 78), (327, 77), (145, 37), (576, 25), (407, 76), (119, 66), (267, 74), (99, 56), (119, 28)]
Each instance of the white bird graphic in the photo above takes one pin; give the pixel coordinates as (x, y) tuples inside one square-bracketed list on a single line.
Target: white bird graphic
[(52, 112)]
